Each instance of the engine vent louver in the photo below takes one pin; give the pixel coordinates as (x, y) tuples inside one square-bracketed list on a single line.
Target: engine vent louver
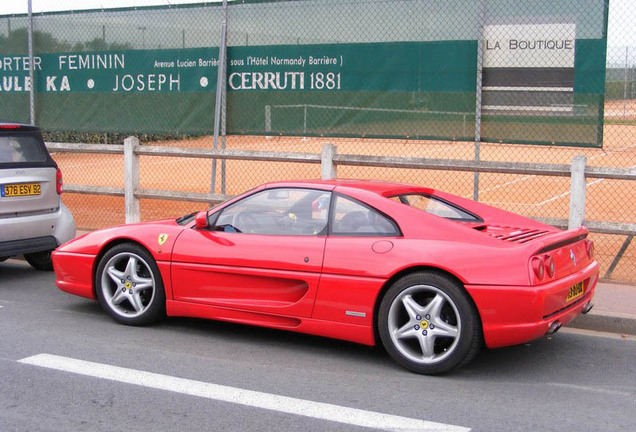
[(514, 235)]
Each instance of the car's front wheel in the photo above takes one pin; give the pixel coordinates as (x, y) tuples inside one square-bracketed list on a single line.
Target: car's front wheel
[(428, 323), (129, 286), (40, 260)]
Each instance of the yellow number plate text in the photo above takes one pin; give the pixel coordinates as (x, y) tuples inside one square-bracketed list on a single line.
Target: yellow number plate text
[(575, 291), (25, 189)]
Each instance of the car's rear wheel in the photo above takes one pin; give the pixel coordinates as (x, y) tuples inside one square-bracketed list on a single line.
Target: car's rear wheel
[(428, 323), (40, 260), (129, 286)]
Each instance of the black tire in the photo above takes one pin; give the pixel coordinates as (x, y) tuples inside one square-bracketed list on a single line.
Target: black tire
[(129, 287), (429, 324), (40, 260)]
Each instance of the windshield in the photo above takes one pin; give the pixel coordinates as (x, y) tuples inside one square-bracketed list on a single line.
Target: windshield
[(19, 149), (186, 219)]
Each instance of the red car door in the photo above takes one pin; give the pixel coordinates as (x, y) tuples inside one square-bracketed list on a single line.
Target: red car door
[(356, 262), (263, 253)]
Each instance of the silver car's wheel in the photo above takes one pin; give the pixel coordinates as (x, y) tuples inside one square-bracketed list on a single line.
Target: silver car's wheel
[(129, 285), (428, 323)]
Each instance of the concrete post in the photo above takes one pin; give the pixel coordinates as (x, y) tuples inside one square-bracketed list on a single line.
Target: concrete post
[(327, 167), (577, 192), (131, 179)]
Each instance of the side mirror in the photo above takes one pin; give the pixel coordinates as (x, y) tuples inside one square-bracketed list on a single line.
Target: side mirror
[(201, 220)]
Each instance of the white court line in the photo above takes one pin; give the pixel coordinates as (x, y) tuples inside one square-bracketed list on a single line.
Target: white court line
[(289, 405), (564, 194), (532, 176), (524, 178)]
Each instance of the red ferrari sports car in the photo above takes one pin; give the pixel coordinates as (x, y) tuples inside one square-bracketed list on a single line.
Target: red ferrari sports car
[(430, 275)]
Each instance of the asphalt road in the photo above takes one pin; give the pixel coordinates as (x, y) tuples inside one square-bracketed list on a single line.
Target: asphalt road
[(576, 381)]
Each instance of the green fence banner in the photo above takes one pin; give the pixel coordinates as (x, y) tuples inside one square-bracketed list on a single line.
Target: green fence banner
[(412, 77)]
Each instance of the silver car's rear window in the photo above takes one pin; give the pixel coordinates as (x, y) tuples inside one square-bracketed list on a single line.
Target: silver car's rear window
[(18, 149)]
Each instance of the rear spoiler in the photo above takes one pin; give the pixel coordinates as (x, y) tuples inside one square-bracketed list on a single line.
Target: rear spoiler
[(558, 239)]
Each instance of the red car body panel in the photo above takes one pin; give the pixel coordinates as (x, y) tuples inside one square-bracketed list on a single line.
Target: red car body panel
[(330, 285), (245, 271)]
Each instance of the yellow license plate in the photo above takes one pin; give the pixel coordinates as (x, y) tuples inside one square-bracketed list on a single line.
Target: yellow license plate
[(575, 291), (24, 189)]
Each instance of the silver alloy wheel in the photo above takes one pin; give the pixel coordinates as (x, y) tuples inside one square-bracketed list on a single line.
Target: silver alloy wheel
[(424, 324), (128, 284)]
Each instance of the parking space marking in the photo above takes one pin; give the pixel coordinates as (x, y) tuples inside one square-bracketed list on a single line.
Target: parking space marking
[(284, 404)]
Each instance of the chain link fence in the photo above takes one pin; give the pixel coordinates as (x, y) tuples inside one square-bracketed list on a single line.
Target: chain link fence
[(495, 80)]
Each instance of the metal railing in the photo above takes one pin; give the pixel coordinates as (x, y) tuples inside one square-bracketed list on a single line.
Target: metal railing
[(329, 160)]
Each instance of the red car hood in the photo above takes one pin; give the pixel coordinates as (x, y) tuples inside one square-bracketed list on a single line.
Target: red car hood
[(157, 236)]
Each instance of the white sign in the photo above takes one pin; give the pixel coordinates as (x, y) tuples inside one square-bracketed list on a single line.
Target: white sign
[(529, 45)]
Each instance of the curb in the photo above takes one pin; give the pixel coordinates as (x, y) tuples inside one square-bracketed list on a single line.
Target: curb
[(610, 323)]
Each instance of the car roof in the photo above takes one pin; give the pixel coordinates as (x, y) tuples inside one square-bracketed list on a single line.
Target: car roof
[(383, 188)]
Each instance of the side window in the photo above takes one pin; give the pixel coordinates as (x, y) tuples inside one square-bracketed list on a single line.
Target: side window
[(281, 211), (355, 219), (436, 206)]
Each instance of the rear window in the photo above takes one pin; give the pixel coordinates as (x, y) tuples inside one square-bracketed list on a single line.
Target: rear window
[(437, 207), (18, 149)]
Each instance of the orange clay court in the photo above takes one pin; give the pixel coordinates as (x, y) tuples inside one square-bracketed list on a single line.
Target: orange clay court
[(529, 195)]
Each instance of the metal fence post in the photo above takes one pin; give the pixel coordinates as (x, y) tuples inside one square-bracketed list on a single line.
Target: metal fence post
[(31, 68), (224, 101), (220, 81), (625, 83), (131, 179), (478, 91), (577, 192), (327, 167), (268, 118)]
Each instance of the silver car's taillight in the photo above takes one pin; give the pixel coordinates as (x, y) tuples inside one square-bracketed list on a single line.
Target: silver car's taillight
[(58, 181)]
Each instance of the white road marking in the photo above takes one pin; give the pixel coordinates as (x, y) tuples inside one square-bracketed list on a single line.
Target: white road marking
[(592, 389), (598, 334), (301, 407)]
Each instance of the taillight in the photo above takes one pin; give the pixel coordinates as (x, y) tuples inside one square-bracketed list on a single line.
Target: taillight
[(589, 246), (538, 267), (58, 181), (549, 265)]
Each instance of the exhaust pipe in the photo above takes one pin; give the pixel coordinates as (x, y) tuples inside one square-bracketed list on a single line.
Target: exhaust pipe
[(588, 307), (554, 327)]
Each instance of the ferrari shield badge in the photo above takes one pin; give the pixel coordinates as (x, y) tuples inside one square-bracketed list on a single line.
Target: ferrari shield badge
[(162, 239)]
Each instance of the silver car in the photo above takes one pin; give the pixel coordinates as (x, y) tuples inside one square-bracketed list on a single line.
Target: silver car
[(33, 219)]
